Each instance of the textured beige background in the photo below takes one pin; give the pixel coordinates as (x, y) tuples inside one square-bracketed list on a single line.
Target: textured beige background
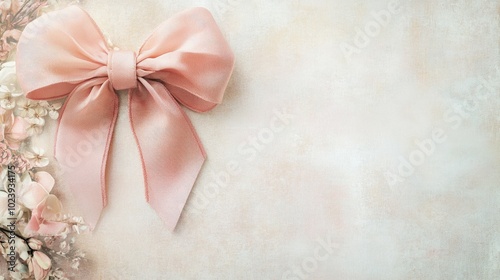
[(312, 200)]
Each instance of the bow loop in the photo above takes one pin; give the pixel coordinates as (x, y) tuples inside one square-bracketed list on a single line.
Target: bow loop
[(59, 51), (186, 59), (189, 54)]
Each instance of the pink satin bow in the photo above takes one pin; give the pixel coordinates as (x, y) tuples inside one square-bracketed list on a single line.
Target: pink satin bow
[(185, 60)]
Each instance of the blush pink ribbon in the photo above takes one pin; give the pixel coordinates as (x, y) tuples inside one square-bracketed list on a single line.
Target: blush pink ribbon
[(185, 60)]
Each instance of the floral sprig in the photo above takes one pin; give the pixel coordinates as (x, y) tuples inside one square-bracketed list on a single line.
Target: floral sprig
[(14, 16), (43, 233), (44, 236)]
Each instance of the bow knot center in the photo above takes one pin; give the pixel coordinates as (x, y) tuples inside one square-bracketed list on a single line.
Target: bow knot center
[(122, 69)]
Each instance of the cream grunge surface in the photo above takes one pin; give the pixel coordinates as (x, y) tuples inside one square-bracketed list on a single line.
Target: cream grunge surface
[(355, 140)]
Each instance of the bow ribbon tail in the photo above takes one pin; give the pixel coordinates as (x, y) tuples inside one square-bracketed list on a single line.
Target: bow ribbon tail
[(171, 153), (82, 144)]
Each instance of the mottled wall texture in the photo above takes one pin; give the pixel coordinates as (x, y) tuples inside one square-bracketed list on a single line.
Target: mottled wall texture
[(357, 140)]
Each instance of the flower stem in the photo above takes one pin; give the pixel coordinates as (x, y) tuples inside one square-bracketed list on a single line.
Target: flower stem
[(26, 240)]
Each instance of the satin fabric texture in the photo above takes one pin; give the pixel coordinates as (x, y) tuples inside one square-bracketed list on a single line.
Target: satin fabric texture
[(186, 60)]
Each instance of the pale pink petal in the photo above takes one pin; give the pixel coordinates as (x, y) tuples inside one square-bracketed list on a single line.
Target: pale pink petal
[(33, 194), (42, 260), (33, 225), (35, 244), (40, 222), (14, 145), (18, 129), (45, 179), (38, 272), (51, 228), (41, 265), (52, 208), (30, 266)]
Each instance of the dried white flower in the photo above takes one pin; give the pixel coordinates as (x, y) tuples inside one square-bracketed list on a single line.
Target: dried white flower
[(26, 108), (37, 157)]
